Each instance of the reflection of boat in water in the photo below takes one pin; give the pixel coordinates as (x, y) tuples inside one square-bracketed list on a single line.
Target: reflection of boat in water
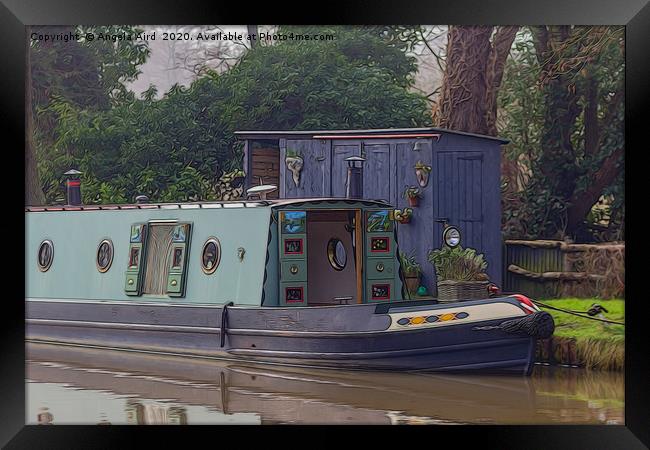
[(312, 282), (307, 395)]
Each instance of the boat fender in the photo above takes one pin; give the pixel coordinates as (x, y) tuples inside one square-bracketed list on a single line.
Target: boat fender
[(539, 325)]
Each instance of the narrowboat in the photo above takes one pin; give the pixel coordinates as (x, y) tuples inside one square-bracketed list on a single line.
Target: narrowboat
[(304, 282)]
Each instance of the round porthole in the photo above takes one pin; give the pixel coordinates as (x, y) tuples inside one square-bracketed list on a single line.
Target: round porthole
[(210, 255), (104, 255), (336, 254), (45, 255)]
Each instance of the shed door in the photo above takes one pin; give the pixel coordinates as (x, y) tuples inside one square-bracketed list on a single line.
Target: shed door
[(459, 196), (340, 166), (377, 176)]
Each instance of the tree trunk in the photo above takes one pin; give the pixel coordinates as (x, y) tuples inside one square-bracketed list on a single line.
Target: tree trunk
[(501, 43), (461, 105), (33, 192), (252, 32), (582, 202), (473, 75), (558, 162)]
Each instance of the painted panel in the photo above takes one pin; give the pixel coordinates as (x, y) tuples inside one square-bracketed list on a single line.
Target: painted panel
[(293, 246), (178, 261), (379, 268), (379, 221), (293, 222), (294, 270), (293, 294), (377, 177), (380, 290)]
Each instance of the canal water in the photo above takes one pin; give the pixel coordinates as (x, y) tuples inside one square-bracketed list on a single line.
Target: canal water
[(67, 385)]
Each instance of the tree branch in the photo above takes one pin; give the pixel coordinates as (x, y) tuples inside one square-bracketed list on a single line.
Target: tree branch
[(581, 202)]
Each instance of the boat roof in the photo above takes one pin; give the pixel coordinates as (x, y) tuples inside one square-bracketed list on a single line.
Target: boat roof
[(350, 134), (209, 205)]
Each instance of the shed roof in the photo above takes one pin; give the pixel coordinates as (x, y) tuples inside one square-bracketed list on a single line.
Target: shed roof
[(275, 134)]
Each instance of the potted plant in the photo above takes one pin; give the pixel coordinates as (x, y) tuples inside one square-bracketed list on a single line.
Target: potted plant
[(403, 216), (412, 194), (460, 274), (412, 271)]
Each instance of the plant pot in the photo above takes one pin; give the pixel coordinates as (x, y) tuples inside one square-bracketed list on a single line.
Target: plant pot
[(413, 201), (412, 282), (454, 291), (405, 220)]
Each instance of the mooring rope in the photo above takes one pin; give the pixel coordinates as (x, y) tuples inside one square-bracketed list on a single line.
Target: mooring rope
[(576, 313)]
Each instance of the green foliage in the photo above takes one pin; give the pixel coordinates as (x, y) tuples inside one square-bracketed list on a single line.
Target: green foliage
[(176, 147), (459, 264), (410, 265), (549, 162)]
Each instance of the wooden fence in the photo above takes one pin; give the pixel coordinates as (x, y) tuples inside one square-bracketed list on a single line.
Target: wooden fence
[(548, 269)]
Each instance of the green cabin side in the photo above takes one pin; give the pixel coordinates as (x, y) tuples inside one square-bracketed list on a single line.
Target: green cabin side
[(258, 262), (76, 236)]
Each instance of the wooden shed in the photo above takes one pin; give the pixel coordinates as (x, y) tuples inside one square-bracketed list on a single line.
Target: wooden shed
[(458, 176)]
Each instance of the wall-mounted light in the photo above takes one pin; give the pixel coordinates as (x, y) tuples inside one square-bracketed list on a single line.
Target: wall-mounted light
[(419, 145)]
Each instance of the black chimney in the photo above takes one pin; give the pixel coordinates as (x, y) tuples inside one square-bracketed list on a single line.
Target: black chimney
[(354, 182), (73, 187)]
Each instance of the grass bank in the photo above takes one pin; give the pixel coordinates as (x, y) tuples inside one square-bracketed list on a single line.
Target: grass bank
[(588, 343)]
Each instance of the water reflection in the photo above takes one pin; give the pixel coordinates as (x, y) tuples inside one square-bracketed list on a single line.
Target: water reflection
[(79, 386)]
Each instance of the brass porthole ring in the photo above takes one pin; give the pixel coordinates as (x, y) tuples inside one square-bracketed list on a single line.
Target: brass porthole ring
[(210, 255), (104, 257), (45, 255)]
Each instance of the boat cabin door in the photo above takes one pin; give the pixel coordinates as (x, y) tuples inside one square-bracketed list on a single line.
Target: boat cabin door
[(320, 257)]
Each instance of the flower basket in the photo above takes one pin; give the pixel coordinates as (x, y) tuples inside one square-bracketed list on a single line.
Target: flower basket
[(453, 291), (414, 201)]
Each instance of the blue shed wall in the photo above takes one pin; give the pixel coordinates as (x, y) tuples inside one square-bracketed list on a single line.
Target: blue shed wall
[(464, 186)]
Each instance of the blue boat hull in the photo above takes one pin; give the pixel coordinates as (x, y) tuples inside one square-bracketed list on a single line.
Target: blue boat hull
[(356, 337)]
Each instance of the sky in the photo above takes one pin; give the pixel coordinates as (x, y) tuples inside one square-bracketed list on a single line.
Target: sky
[(175, 61)]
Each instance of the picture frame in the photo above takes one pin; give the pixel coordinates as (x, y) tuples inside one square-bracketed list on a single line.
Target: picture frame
[(635, 434)]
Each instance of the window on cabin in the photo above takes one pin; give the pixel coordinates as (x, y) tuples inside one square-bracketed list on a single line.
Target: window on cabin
[(45, 255), (336, 254), (210, 255), (104, 255)]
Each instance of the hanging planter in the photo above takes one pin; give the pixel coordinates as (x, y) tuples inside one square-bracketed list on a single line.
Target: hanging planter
[(403, 216), (294, 163), (422, 172), (412, 194)]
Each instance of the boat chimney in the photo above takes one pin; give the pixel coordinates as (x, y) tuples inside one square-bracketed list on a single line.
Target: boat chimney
[(354, 188), (73, 187)]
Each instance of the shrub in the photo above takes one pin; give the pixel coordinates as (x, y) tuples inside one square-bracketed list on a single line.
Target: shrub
[(458, 264)]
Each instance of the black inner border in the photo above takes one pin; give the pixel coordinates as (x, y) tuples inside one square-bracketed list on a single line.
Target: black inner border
[(15, 14)]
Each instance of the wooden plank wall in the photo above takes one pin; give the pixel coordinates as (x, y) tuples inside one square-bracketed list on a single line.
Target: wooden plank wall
[(463, 186), (265, 163)]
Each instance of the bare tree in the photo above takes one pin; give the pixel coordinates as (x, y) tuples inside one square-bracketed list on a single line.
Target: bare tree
[(473, 72)]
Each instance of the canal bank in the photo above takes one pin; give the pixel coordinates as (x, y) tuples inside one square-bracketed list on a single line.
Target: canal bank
[(579, 340)]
